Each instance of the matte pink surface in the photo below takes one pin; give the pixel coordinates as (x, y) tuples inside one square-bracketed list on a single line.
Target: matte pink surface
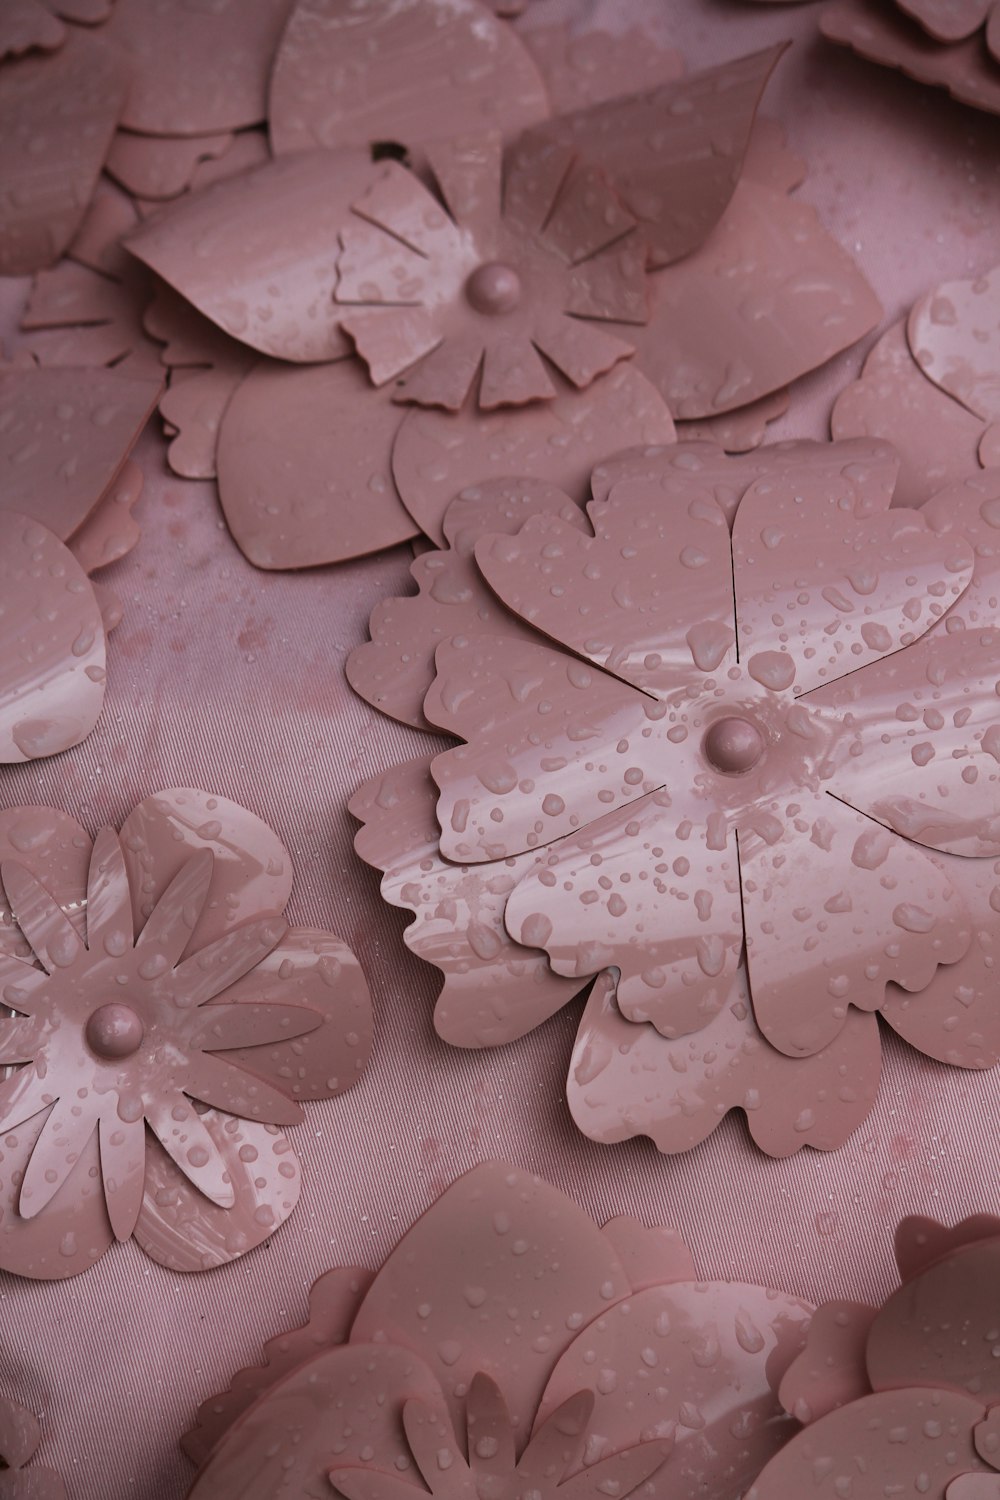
[(226, 677)]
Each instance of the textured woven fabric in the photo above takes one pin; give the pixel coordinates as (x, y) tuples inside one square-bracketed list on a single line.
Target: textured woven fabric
[(232, 680)]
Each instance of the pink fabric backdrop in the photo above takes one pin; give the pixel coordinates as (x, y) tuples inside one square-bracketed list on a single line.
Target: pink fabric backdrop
[(231, 679)]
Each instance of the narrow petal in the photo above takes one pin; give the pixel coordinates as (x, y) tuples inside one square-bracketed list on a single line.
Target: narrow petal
[(168, 929), (629, 894), (58, 1150), (109, 902), (220, 1024), (235, 1091), (513, 374), (491, 1438), (619, 1475), (373, 1484), (432, 1441), (398, 202), (184, 1135), (580, 350), (72, 1234), (123, 1169), (627, 1080), (53, 938), (20, 1038), (212, 969), (445, 376), (534, 178), (557, 1442), (836, 908), (59, 853), (588, 216)]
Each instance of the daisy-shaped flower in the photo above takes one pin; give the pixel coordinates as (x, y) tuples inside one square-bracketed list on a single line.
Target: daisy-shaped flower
[(775, 748), (522, 261), (905, 1398), (20, 1437), (510, 1346), (931, 386), (953, 44), (166, 1025)]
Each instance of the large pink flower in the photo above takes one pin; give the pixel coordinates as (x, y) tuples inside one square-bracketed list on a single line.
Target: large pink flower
[(509, 1345), (166, 1025), (750, 778), (905, 1398)]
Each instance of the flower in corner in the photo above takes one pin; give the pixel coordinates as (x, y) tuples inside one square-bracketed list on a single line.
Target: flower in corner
[(163, 1025)]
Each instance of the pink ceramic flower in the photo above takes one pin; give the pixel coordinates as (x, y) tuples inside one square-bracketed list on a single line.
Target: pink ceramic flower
[(509, 1345), (20, 1478), (762, 825), (954, 44), (905, 1398), (167, 1025)]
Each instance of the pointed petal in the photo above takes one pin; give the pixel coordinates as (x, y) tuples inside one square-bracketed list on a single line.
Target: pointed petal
[(211, 970), (557, 1442), (58, 851), (621, 1474), (20, 1038), (954, 336), (53, 938), (399, 203), (881, 581), (836, 908), (588, 216), (431, 1440), (72, 1234), (252, 869), (222, 1024), (462, 1245), (123, 1169), (183, 1229), (533, 181), (580, 350), (444, 377), (491, 1438), (627, 1080), (52, 644), (494, 989), (537, 719), (375, 270), (184, 1135), (384, 72), (611, 285), (373, 1484), (658, 591), (676, 938), (436, 455), (234, 1091), (67, 1130), (109, 903), (168, 929), (469, 173), (513, 374)]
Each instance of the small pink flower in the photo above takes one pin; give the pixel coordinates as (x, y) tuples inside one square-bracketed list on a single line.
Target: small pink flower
[(905, 1398), (166, 1025), (509, 1345)]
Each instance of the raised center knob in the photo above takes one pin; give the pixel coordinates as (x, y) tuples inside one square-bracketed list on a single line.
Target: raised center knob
[(733, 745), (494, 288), (114, 1031)]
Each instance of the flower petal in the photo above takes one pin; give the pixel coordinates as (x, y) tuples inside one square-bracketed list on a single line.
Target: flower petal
[(390, 339), (110, 532), (394, 670), (611, 285), (333, 1404), (52, 645), (404, 73), (953, 1348), (96, 415), (768, 297), (954, 336), (235, 1091), (697, 1362), (184, 1135), (661, 149), (123, 1171), (627, 1080), (72, 1234), (740, 430), (57, 1151), (822, 589), (836, 908), (675, 937), (57, 850), (444, 377), (552, 744), (197, 70), (649, 598), (251, 868), (109, 905), (580, 350), (20, 1434), (857, 1449), (210, 970), (494, 990), (63, 148), (587, 216), (831, 1370), (153, 168), (437, 454), (513, 374), (54, 940), (227, 250), (304, 467), (948, 20), (469, 174), (167, 930), (496, 1238), (491, 1441), (182, 1229)]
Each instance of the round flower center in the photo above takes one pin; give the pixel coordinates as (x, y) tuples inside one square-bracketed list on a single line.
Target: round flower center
[(494, 288), (114, 1031), (733, 745)]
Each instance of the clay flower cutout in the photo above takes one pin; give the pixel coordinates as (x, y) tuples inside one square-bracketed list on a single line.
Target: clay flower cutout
[(167, 1024), (931, 386), (509, 1344), (517, 265), (68, 490), (759, 824), (953, 44), (20, 1437), (903, 1398)]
